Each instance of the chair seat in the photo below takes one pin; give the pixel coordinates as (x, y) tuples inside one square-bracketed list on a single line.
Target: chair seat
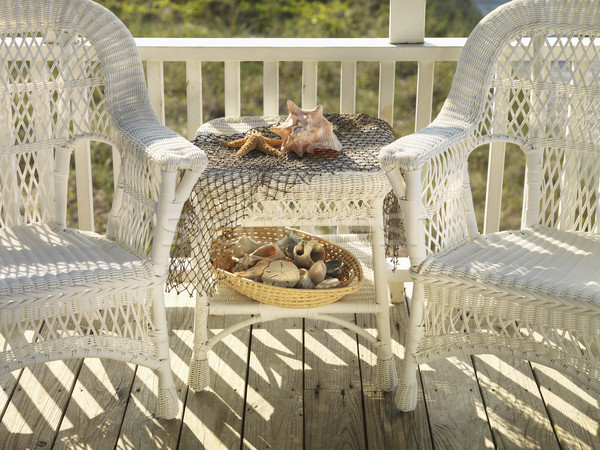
[(51, 260), (539, 263)]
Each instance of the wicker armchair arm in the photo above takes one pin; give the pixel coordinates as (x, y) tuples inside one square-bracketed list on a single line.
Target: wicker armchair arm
[(411, 152), (150, 198), (428, 171), (151, 141)]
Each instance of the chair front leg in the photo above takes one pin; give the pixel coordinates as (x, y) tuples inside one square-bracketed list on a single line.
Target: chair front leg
[(406, 395), (168, 402), (199, 369)]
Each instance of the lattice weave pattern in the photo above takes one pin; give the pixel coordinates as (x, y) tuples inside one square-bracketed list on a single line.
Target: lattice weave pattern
[(529, 74), (70, 72)]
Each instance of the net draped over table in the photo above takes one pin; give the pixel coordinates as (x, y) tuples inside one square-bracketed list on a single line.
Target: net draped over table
[(227, 187)]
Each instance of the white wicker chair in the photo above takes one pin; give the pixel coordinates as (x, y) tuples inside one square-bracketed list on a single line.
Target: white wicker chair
[(70, 72), (529, 74)]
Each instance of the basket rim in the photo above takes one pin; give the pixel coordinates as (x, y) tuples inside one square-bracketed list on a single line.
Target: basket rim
[(321, 296)]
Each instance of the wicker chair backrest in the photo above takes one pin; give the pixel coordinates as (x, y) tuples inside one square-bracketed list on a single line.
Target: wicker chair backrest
[(63, 66), (530, 73)]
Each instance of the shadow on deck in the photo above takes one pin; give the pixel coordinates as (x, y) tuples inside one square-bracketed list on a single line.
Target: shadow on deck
[(295, 384)]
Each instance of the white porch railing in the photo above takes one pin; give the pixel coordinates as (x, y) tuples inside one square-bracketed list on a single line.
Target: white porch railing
[(406, 44)]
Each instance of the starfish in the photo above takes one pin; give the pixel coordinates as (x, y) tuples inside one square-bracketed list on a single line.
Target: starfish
[(254, 141)]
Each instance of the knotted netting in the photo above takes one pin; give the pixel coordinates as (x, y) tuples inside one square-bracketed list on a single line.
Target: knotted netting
[(232, 187)]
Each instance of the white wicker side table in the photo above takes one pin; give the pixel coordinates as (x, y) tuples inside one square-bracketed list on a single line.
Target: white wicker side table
[(342, 196)]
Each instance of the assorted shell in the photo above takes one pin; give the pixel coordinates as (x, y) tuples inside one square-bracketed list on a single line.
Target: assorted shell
[(305, 130), (289, 262)]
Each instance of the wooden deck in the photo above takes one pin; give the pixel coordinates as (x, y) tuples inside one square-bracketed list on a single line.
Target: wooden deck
[(295, 384)]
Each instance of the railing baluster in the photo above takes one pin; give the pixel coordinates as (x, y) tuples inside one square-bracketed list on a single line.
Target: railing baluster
[(83, 181), (387, 70), (309, 84), (493, 195), (156, 88), (232, 88), (271, 88), (424, 94), (193, 75), (348, 87)]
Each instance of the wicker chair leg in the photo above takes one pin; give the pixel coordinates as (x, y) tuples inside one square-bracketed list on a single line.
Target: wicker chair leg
[(199, 369), (406, 397), (168, 401), (199, 374), (387, 378)]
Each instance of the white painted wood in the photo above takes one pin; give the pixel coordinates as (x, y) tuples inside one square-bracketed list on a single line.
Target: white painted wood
[(407, 21), (309, 84), (232, 88), (83, 182), (116, 163), (387, 70), (493, 195), (493, 202), (193, 70), (297, 49), (348, 87), (156, 88), (424, 94), (270, 88)]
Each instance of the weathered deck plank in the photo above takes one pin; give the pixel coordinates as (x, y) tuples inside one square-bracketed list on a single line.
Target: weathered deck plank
[(213, 417), (514, 406), (456, 412), (333, 410), (386, 426), (97, 406), (274, 408), (141, 428), (36, 407), (332, 403), (574, 411)]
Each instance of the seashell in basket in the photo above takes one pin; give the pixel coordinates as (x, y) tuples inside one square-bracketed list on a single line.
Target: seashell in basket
[(244, 263), (317, 272), (307, 252), (255, 272), (304, 282), (243, 246), (305, 130), (288, 243), (281, 273), (328, 283), (268, 251), (334, 267)]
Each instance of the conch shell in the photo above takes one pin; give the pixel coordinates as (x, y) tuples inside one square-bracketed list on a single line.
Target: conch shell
[(305, 130), (255, 272), (268, 251), (307, 252), (244, 245), (288, 243)]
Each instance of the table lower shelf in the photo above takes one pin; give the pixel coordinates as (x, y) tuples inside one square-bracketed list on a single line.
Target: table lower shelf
[(227, 301)]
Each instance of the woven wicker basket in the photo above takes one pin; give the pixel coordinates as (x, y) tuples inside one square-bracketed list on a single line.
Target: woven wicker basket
[(351, 277)]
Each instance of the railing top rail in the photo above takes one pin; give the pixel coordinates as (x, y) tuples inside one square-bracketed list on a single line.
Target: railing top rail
[(299, 49)]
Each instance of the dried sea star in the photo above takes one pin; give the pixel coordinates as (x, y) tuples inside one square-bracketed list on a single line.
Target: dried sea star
[(254, 141)]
